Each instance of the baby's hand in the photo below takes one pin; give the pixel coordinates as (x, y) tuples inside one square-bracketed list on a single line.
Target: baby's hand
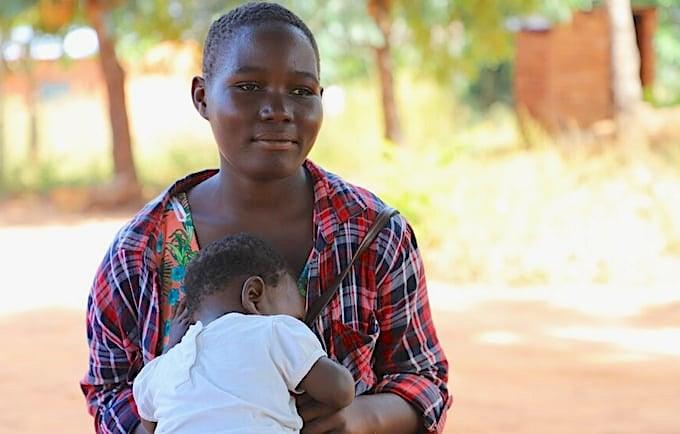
[(178, 325)]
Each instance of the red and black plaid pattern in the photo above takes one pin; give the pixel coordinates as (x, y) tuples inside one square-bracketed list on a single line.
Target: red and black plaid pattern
[(379, 325)]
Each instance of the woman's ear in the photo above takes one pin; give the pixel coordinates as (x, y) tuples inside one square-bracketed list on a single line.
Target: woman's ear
[(252, 295), (198, 96)]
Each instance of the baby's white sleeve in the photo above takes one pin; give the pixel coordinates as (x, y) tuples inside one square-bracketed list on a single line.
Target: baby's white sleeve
[(142, 390), (294, 348)]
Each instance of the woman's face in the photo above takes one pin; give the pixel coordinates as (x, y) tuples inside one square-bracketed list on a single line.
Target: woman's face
[(263, 101)]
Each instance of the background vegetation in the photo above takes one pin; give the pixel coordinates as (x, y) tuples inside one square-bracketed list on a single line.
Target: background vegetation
[(490, 202)]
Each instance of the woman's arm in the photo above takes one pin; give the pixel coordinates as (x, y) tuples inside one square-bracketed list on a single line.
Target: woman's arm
[(410, 362), (411, 393), (114, 358), (380, 413)]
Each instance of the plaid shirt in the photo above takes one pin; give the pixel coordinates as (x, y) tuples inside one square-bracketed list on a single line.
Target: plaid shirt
[(379, 325)]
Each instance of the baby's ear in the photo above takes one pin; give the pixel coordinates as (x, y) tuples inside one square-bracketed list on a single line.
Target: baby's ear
[(252, 294)]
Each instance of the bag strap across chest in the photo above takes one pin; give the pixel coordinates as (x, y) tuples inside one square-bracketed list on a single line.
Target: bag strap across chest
[(381, 220)]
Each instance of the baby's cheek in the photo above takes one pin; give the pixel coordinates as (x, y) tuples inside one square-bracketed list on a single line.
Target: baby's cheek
[(300, 308)]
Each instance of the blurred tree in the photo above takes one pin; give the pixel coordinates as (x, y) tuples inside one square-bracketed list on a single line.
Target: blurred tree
[(10, 12), (125, 180), (465, 38), (450, 37), (381, 11), (55, 14), (437, 38), (491, 85), (667, 44), (28, 66), (3, 68), (667, 38), (626, 84), (31, 18), (142, 23)]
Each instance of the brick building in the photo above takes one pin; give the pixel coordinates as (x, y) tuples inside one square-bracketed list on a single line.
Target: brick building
[(563, 73)]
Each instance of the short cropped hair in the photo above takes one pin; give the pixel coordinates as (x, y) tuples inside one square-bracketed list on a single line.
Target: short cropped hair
[(222, 30), (224, 265)]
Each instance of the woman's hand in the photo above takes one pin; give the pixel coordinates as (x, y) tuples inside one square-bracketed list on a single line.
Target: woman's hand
[(379, 413), (322, 419)]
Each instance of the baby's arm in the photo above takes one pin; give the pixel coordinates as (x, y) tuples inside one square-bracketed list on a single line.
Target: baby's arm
[(329, 383), (304, 365)]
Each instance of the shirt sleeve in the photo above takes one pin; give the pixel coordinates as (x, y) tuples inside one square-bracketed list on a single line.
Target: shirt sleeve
[(112, 332), (294, 349), (409, 359)]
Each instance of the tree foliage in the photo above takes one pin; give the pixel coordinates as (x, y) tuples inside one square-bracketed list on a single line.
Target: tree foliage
[(667, 44), (459, 36)]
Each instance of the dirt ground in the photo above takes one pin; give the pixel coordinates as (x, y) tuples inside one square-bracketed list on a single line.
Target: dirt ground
[(525, 365)]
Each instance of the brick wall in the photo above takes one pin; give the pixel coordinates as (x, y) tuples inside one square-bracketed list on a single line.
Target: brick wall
[(562, 75), (81, 76), (531, 73)]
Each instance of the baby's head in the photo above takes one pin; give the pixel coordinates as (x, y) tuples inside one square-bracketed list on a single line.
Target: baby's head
[(242, 273)]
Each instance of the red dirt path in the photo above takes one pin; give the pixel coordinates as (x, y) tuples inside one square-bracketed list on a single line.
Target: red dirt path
[(543, 385), (510, 373)]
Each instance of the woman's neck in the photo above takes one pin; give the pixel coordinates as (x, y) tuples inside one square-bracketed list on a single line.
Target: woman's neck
[(237, 192)]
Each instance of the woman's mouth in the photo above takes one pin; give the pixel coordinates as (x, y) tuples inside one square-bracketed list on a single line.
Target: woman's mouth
[(275, 145), (275, 142)]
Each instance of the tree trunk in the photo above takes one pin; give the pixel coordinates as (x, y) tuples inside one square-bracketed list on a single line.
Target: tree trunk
[(380, 11), (2, 113), (31, 106), (626, 82), (125, 175)]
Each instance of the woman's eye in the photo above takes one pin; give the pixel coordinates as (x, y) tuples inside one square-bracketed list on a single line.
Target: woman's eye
[(302, 91), (249, 87)]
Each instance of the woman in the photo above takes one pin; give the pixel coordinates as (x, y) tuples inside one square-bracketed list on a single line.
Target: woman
[(260, 92)]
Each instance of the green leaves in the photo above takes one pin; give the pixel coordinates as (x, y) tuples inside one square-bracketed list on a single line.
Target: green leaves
[(454, 37), (12, 11)]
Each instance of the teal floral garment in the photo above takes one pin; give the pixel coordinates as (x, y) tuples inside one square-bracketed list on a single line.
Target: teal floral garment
[(178, 246)]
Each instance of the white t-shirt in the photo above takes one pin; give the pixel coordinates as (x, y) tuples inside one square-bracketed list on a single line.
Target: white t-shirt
[(234, 375)]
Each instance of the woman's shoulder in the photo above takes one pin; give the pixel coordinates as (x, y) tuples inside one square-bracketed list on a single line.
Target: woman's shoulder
[(349, 201), (347, 212), (346, 197)]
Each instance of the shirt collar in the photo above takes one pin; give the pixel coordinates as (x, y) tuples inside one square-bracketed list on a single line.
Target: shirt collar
[(188, 182), (153, 210), (335, 201)]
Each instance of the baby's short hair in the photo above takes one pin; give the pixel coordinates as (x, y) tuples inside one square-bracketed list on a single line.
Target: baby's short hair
[(225, 265), (223, 28)]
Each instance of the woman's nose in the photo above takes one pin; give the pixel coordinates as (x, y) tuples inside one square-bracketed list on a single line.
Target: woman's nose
[(275, 108)]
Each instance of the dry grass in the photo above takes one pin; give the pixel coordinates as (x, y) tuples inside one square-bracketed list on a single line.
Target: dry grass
[(485, 209)]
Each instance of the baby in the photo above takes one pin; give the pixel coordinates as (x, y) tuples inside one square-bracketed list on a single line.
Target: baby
[(236, 366)]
